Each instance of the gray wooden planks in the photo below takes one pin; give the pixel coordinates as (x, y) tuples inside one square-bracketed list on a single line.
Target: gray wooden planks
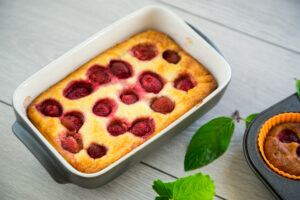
[(35, 32), (273, 21)]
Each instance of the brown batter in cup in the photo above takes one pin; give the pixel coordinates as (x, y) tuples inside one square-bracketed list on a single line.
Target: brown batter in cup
[(279, 144)]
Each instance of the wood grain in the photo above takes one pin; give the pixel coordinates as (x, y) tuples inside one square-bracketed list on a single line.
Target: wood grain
[(33, 33), (273, 21)]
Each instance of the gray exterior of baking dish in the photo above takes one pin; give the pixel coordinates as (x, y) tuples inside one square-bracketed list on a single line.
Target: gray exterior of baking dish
[(62, 175), (281, 187)]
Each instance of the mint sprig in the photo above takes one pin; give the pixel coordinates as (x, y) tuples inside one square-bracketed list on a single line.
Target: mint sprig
[(192, 187), (209, 142)]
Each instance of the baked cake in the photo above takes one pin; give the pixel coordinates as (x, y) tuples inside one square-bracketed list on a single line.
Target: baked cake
[(282, 147), (119, 99)]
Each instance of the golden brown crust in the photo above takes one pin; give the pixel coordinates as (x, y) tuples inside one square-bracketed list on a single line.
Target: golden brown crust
[(283, 155), (94, 128)]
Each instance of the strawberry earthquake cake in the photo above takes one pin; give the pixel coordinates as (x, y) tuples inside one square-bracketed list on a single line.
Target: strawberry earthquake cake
[(119, 99)]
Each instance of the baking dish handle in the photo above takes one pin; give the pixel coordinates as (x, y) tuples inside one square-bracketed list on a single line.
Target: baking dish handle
[(39, 152), (206, 39)]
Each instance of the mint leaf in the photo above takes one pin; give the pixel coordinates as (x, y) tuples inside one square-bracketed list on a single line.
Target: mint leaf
[(209, 142), (298, 87), (192, 187), (250, 118), (164, 190)]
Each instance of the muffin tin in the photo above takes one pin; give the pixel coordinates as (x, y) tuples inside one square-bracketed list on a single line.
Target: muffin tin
[(281, 187)]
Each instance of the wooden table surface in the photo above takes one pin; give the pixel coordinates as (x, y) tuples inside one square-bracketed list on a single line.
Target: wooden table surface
[(260, 40)]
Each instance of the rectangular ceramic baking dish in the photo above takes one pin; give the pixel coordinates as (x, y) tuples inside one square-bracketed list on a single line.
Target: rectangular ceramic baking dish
[(151, 17)]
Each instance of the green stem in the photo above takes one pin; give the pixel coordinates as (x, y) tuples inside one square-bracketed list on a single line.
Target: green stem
[(243, 119)]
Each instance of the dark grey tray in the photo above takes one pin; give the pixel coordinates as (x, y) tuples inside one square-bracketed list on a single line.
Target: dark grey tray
[(281, 187)]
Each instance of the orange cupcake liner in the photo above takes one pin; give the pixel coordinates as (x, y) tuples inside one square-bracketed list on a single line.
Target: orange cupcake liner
[(268, 125)]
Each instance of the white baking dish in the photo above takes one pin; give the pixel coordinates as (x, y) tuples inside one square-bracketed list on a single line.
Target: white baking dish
[(152, 17)]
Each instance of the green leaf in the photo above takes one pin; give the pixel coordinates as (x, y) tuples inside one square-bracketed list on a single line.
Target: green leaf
[(298, 87), (192, 187), (250, 118), (164, 190), (209, 142)]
